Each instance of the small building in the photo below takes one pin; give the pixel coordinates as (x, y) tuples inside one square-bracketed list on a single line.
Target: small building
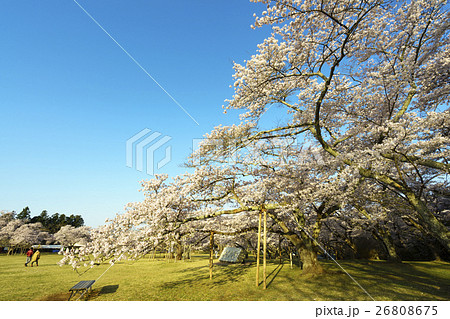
[(232, 255), (48, 248)]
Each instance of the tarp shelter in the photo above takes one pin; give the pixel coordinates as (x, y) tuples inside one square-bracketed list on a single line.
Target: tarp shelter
[(232, 255)]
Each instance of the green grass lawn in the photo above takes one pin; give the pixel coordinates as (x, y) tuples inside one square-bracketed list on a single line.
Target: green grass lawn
[(160, 280)]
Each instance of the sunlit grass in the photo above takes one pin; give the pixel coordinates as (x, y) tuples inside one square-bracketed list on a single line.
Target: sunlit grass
[(148, 279)]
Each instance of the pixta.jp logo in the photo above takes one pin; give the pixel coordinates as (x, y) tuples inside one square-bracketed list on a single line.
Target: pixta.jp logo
[(142, 149)]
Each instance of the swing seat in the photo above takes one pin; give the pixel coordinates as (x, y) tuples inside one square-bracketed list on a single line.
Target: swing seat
[(83, 287)]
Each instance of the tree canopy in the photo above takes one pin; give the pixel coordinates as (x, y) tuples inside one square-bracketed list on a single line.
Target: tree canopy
[(362, 143)]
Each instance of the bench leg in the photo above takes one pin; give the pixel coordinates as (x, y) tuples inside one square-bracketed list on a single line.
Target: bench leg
[(76, 292)]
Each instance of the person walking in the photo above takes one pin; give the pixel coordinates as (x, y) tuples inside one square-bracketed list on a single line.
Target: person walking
[(29, 255), (35, 258)]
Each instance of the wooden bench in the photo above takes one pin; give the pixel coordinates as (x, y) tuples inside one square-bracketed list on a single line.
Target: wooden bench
[(82, 287)]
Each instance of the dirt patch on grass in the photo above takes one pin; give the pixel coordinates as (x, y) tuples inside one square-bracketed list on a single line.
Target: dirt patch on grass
[(63, 296)]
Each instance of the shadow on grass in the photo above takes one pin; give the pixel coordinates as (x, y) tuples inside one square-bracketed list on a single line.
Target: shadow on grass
[(109, 289), (403, 281), (96, 292), (275, 273), (223, 273)]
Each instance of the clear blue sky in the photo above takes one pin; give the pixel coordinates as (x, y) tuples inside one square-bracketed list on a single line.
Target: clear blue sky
[(70, 98)]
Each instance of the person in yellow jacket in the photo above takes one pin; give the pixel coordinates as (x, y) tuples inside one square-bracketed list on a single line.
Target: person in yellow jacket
[(35, 258)]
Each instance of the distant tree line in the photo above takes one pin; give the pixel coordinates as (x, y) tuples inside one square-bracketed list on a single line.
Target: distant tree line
[(53, 223)]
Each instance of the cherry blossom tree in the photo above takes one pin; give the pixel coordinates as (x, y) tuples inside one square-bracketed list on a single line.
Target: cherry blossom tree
[(362, 87), (365, 81), (27, 235), (224, 200), (5, 231), (69, 235)]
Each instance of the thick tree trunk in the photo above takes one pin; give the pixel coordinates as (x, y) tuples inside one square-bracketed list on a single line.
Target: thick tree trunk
[(179, 252), (308, 253), (310, 264), (429, 221), (305, 247), (385, 236)]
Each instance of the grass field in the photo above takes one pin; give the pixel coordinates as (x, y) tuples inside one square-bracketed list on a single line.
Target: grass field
[(160, 280)]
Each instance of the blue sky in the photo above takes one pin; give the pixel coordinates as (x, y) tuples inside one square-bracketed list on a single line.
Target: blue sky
[(71, 98)]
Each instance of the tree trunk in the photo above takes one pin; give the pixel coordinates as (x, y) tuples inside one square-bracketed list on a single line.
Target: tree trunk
[(309, 260), (385, 236), (179, 251), (304, 245), (429, 221)]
